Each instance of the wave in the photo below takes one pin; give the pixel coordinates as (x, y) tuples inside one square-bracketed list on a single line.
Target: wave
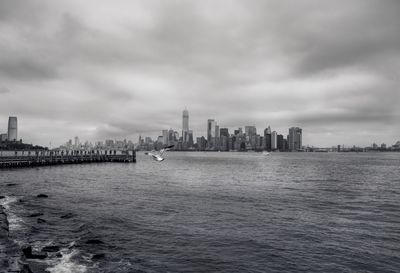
[(65, 264), (15, 222)]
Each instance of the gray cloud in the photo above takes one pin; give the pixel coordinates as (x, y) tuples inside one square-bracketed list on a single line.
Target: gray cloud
[(4, 90), (99, 69)]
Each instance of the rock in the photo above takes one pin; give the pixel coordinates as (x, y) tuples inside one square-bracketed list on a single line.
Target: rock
[(51, 249), (40, 221), (99, 256), (42, 195), (59, 255), (67, 216), (2, 197), (94, 242), (25, 269), (29, 255), (3, 222), (35, 214)]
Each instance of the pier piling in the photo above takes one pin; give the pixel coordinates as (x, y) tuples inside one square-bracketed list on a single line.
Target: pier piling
[(17, 159)]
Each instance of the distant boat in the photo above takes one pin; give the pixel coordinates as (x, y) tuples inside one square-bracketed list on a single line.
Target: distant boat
[(266, 153)]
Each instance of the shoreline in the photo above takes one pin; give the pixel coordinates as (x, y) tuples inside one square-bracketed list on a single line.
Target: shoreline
[(9, 252), (11, 255)]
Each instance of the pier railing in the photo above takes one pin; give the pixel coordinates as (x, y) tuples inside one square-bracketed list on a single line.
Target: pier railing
[(11, 159)]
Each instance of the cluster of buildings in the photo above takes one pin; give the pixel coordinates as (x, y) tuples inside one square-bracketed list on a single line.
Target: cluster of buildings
[(12, 133), (217, 139), (100, 145), (220, 139)]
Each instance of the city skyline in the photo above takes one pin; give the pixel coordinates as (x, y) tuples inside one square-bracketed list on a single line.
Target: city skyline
[(127, 68), (191, 136)]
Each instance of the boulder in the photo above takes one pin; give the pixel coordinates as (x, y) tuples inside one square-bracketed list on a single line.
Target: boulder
[(42, 195), (29, 255)]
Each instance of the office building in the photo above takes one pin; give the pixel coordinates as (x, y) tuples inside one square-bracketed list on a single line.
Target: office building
[(190, 138), (267, 138), (185, 126), (224, 132), (295, 139), (12, 129), (274, 140), (165, 137), (281, 144), (210, 129), (250, 131), (3, 137)]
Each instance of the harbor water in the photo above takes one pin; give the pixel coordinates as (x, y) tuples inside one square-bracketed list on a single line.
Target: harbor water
[(211, 212)]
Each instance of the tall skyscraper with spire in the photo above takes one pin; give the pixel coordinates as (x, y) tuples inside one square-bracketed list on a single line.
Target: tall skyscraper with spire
[(185, 126)]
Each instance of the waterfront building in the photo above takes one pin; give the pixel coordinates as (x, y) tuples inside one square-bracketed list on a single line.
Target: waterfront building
[(201, 143), (267, 139), (210, 129), (3, 137), (12, 129), (210, 133), (280, 143), (285, 145), (76, 144), (258, 140), (148, 140), (165, 137), (274, 140), (250, 131), (190, 138), (239, 131), (171, 137), (224, 132), (110, 142), (295, 139)]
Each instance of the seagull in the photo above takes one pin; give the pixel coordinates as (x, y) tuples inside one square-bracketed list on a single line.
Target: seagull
[(157, 156)]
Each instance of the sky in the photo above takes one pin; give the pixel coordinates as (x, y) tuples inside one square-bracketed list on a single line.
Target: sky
[(116, 69)]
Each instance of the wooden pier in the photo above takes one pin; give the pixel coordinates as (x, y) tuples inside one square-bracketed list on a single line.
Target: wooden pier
[(18, 159)]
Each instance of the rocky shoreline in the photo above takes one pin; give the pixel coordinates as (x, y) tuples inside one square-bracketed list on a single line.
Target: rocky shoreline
[(11, 258), (9, 252)]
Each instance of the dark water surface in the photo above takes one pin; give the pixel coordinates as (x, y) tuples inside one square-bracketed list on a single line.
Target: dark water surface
[(213, 212)]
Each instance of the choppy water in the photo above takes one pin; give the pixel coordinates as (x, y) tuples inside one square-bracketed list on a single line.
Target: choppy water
[(214, 212)]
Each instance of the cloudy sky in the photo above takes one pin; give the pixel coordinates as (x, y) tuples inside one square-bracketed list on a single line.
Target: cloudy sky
[(117, 69)]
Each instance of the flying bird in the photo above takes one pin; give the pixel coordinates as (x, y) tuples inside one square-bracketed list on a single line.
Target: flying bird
[(158, 156)]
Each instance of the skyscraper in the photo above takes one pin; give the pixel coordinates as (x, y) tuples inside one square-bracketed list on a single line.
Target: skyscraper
[(295, 139), (77, 144), (267, 138), (274, 140), (12, 129), (281, 144), (185, 126), (250, 131), (210, 129), (224, 132), (165, 137)]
